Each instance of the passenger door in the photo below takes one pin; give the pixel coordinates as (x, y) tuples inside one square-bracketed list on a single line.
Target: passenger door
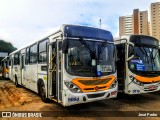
[(54, 71), (121, 71)]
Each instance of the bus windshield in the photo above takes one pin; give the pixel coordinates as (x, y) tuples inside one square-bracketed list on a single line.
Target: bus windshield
[(146, 56), (80, 56)]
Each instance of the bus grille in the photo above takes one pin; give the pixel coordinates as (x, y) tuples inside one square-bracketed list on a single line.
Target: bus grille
[(99, 88), (95, 95), (94, 82)]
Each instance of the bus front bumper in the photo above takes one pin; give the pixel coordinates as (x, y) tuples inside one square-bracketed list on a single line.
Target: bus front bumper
[(137, 89), (71, 98)]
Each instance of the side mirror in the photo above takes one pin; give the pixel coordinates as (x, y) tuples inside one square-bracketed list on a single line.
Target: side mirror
[(131, 50), (65, 46)]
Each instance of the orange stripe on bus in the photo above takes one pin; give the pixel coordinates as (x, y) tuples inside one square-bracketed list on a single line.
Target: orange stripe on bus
[(148, 79), (94, 84)]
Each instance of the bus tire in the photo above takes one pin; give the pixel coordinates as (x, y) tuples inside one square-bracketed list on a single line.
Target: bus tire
[(16, 81), (42, 92)]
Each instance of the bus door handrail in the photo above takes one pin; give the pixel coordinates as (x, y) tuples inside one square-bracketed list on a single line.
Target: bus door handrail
[(52, 58), (121, 40)]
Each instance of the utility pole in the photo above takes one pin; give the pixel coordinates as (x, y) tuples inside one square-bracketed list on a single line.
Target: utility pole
[(100, 23)]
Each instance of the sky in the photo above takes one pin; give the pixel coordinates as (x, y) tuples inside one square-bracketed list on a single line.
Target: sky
[(22, 21)]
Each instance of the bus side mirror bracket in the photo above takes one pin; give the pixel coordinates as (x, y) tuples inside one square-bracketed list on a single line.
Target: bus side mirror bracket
[(132, 54), (65, 46), (130, 58)]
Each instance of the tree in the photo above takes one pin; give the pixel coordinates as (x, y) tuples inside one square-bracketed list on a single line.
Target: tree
[(6, 47)]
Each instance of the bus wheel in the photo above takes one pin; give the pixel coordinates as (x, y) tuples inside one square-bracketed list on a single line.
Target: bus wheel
[(42, 92), (16, 82)]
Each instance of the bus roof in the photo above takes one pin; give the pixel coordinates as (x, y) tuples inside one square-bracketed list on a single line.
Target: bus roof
[(127, 37), (72, 31), (87, 32)]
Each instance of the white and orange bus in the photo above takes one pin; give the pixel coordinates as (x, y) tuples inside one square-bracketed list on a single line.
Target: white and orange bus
[(138, 64), (72, 65)]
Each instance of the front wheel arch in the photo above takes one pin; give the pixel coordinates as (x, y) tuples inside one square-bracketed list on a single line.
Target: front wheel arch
[(42, 91)]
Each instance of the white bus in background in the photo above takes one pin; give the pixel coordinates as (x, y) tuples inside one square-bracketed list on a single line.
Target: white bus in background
[(72, 65), (5, 67), (138, 64)]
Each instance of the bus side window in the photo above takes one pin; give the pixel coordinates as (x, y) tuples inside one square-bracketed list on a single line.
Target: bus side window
[(60, 53), (22, 61), (42, 51), (16, 59), (12, 63), (27, 56), (33, 54)]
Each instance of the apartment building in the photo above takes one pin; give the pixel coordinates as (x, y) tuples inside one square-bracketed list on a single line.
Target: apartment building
[(155, 20), (134, 24), (125, 25)]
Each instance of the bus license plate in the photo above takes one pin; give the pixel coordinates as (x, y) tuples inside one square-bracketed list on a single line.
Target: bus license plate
[(106, 68), (152, 87)]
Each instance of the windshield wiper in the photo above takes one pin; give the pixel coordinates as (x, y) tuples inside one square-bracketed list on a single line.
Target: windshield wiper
[(144, 52), (83, 42), (101, 47), (92, 53)]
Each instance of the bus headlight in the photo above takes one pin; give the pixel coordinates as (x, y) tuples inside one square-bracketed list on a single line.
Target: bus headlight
[(72, 87), (134, 80), (114, 84)]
